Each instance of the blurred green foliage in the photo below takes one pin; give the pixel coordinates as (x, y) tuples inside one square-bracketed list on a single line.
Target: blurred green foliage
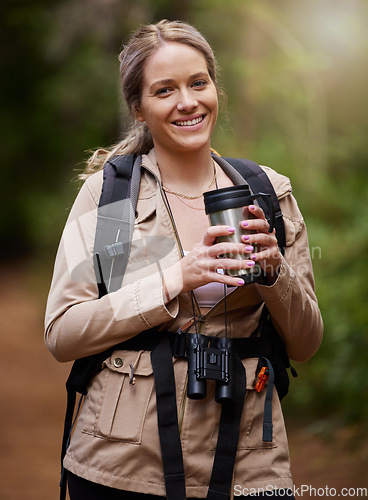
[(296, 79)]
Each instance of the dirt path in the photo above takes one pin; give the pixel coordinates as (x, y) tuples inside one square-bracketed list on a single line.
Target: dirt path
[(33, 399)]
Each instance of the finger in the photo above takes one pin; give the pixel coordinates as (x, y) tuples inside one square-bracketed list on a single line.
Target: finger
[(260, 225), (234, 264), (267, 254), (204, 268), (257, 211), (226, 279), (214, 232), (234, 249), (230, 280), (204, 272), (264, 239)]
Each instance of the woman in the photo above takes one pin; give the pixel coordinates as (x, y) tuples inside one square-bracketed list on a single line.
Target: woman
[(168, 76)]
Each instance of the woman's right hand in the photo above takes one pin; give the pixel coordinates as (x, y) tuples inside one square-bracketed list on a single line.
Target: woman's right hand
[(199, 266)]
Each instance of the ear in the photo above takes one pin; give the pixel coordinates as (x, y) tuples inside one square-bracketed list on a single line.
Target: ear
[(138, 115)]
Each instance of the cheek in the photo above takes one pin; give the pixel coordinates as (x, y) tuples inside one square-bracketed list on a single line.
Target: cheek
[(159, 113), (214, 107), (213, 102), (157, 120)]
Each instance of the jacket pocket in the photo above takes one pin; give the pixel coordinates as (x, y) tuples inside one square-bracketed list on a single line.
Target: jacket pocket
[(127, 390), (251, 427)]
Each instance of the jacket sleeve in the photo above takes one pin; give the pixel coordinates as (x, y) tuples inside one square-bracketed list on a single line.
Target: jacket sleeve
[(78, 323), (291, 300)]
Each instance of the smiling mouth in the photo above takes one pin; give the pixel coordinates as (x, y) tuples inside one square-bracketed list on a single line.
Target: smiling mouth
[(189, 123)]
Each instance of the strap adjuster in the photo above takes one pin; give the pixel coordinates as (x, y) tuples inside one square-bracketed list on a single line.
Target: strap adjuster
[(179, 344), (114, 249)]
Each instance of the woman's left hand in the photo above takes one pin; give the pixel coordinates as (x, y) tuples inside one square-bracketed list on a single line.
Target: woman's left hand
[(266, 251)]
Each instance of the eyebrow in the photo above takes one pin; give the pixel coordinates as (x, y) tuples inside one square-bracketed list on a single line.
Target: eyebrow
[(169, 81)]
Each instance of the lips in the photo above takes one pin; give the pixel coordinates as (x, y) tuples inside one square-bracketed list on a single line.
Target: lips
[(189, 123)]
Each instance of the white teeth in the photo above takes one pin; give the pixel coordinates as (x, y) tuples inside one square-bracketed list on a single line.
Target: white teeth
[(189, 122)]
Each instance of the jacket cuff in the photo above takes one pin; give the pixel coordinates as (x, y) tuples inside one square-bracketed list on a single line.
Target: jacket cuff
[(283, 284)]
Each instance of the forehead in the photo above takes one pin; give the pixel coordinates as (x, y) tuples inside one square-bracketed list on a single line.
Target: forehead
[(174, 60)]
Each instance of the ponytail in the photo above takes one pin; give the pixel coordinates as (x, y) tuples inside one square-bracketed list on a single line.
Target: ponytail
[(137, 140)]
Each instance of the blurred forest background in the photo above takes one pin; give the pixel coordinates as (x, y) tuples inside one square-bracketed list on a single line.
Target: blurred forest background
[(295, 74)]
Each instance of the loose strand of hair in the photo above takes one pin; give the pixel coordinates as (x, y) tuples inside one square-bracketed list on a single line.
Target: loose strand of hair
[(137, 140)]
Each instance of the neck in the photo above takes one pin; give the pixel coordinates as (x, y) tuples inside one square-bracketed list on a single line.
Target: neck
[(186, 173)]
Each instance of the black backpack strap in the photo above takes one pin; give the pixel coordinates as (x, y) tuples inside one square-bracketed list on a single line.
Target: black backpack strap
[(228, 437), (115, 221), (271, 343), (229, 427), (259, 182), (167, 416), (71, 398)]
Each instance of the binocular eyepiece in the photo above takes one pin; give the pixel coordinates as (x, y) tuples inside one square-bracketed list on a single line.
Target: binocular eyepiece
[(209, 358)]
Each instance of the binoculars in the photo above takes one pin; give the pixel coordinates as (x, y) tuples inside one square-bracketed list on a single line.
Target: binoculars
[(209, 358)]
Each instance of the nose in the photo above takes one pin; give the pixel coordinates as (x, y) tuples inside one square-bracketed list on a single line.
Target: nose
[(186, 101)]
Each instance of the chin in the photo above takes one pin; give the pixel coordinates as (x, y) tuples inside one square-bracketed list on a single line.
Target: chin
[(194, 145)]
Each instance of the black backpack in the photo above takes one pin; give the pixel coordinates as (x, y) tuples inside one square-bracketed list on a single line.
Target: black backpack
[(115, 222)]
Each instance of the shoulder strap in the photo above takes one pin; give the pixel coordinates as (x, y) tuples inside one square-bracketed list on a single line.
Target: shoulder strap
[(271, 342), (259, 181), (115, 221), (167, 419), (228, 437)]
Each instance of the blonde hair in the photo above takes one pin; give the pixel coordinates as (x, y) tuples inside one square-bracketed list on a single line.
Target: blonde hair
[(142, 45)]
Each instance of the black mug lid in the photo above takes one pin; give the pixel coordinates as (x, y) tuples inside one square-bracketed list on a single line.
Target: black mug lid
[(228, 197)]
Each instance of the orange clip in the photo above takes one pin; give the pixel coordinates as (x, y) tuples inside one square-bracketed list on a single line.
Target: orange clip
[(262, 379)]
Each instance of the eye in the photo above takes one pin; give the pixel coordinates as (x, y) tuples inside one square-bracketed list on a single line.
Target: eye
[(199, 84), (163, 91)]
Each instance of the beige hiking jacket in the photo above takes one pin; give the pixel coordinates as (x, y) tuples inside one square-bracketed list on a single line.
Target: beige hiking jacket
[(116, 439)]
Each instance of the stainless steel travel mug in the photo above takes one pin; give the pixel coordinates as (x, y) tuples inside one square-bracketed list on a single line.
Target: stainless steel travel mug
[(228, 206)]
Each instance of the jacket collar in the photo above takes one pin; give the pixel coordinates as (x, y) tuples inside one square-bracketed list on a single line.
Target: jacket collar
[(149, 161), (280, 183)]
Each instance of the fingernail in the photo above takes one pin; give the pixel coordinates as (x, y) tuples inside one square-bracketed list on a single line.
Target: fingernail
[(245, 238), (240, 282), (254, 256), (244, 223), (249, 249), (252, 207), (250, 263), (231, 229)]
